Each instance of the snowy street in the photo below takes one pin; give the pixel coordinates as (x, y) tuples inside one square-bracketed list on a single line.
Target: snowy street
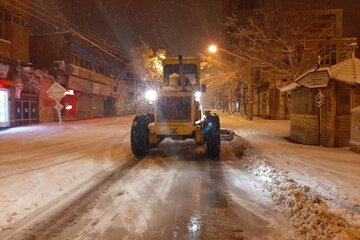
[(79, 180)]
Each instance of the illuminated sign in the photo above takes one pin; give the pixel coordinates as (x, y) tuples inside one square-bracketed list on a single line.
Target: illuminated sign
[(5, 83), (70, 92), (68, 107), (4, 108)]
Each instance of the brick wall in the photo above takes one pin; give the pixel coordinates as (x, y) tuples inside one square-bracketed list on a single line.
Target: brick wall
[(343, 126), (304, 128)]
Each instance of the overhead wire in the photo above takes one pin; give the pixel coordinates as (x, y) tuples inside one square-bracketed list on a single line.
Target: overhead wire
[(46, 18), (109, 43)]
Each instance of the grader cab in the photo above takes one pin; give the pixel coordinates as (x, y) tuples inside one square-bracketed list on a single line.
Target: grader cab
[(178, 112)]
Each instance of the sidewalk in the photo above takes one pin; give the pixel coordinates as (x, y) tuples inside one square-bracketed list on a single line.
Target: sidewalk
[(333, 172)]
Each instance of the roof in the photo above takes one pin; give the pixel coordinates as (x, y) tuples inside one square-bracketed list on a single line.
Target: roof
[(186, 60), (347, 71), (311, 71)]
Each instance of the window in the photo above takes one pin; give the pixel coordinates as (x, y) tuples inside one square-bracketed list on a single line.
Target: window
[(303, 101), (99, 68), (15, 19), (328, 55), (190, 72), (84, 63), (74, 59), (343, 101)]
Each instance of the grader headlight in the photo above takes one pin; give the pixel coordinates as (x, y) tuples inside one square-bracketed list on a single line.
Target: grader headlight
[(151, 95), (197, 96)]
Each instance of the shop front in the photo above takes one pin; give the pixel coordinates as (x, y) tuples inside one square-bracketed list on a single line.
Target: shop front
[(4, 108)]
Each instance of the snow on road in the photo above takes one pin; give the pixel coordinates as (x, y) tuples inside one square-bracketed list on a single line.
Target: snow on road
[(79, 180), (44, 163), (317, 188)]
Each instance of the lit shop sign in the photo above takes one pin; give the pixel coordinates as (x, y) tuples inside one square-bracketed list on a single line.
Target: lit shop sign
[(4, 108), (5, 83), (70, 92), (68, 107)]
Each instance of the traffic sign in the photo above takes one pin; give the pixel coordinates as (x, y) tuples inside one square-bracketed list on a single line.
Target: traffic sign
[(56, 92), (58, 106)]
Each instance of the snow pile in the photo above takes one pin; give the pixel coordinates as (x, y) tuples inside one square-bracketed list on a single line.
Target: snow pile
[(310, 215)]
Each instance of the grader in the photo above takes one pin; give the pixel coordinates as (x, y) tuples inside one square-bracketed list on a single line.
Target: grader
[(178, 113)]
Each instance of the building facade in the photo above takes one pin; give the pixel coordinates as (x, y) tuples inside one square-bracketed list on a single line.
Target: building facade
[(19, 102), (94, 77)]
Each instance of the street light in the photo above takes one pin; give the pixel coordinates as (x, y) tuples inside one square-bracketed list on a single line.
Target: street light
[(213, 49)]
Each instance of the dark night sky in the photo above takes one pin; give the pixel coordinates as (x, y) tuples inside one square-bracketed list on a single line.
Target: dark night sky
[(185, 26), (179, 26)]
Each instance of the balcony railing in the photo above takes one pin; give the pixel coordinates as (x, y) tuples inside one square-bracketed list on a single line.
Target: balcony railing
[(91, 76)]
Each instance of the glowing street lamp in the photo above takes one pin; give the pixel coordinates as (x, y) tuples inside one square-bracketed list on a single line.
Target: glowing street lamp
[(212, 48)]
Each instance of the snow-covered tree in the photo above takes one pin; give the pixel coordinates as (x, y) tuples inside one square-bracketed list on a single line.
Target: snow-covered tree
[(281, 43), (223, 77), (146, 68), (146, 63)]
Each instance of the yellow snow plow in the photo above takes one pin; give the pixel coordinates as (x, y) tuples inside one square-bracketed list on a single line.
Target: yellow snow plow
[(178, 113)]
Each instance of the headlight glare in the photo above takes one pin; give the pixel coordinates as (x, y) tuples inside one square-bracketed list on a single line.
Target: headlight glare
[(197, 94), (150, 95)]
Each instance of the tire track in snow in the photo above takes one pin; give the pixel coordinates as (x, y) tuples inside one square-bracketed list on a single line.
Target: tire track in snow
[(54, 218)]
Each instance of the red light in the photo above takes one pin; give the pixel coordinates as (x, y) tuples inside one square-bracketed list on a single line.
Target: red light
[(5, 83), (68, 107), (70, 92)]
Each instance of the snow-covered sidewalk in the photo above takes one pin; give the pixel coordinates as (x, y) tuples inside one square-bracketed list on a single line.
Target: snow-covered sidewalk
[(314, 185)]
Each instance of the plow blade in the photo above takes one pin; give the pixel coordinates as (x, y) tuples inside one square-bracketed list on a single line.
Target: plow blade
[(226, 134)]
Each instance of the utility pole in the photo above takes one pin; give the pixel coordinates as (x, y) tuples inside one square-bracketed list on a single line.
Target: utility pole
[(251, 99)]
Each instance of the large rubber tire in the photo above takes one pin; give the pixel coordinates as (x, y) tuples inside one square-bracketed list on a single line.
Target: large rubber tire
[(212, 136), (140, 144)]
